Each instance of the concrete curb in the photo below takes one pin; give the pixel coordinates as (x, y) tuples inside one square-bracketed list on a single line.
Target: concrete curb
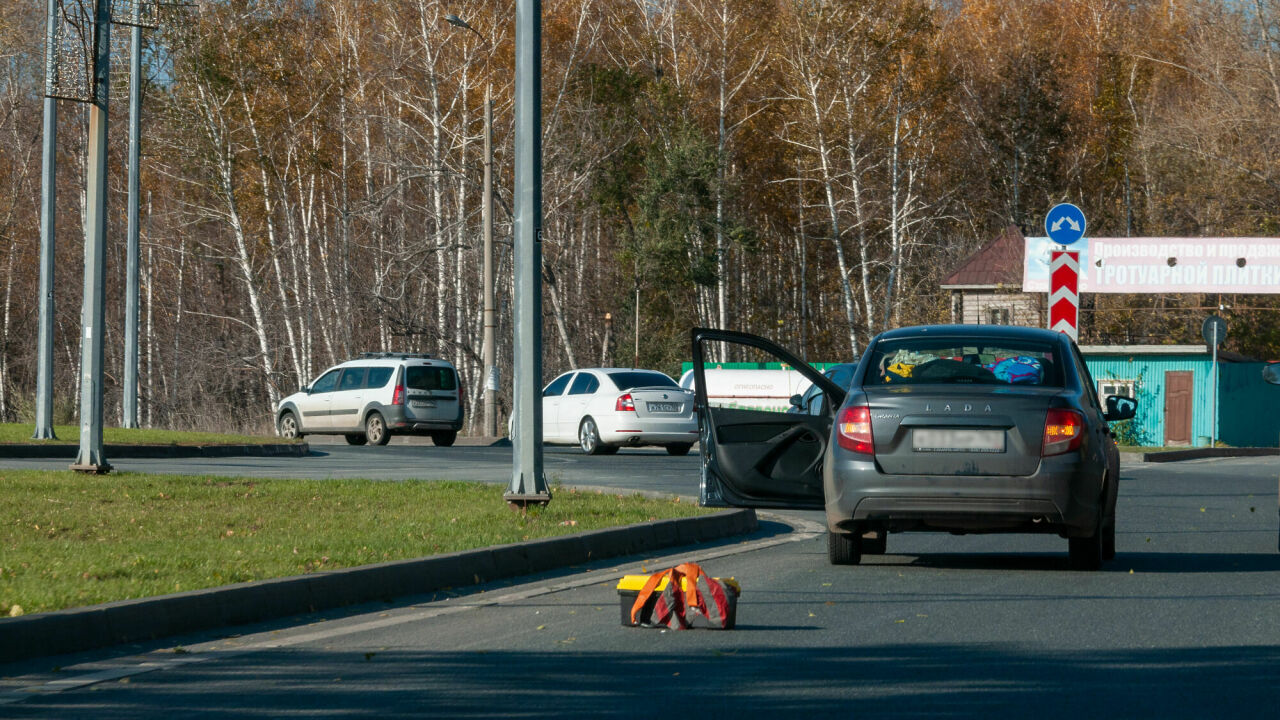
[(35, 451), (126, 621), (1198, 453)]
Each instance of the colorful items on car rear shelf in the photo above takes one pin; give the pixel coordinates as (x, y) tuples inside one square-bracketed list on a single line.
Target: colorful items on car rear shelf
[(1019, 370)]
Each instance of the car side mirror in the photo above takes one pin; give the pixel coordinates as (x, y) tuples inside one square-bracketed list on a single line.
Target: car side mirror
[(1120, 408), (797, 400), (1271, 373)]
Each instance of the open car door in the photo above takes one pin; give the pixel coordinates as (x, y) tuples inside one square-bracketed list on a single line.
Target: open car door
[(754, 457)]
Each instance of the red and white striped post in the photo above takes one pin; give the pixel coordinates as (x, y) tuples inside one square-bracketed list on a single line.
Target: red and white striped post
[(1064, 293)]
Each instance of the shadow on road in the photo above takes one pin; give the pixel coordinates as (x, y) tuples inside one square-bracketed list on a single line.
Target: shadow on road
[(663, 674)]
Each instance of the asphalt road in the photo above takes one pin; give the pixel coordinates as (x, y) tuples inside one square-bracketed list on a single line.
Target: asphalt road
[(1184, 623)]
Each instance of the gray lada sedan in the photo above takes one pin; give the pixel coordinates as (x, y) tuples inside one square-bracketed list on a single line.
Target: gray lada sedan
[(962, 429)]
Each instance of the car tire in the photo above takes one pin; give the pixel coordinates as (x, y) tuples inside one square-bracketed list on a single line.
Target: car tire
[(375, 429), (679, 449), (876, 544), (1086, 553), (844, 549), (444, 438), (288, 426), (1109, 539), (589, 437), (356, 438)]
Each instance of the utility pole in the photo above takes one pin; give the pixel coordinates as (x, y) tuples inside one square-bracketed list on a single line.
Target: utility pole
[(90, 458), (48, 217), (488, 352), (528, 484), (129, 401)]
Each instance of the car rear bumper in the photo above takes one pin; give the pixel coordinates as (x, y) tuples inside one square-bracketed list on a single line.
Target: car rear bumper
[(1060, 497), (649, 438), (399, 423), (647, 431)]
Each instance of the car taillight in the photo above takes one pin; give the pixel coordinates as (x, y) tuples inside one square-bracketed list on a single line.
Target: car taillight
[(853, 429), (1063, 432), (397, 398), (625, 403)]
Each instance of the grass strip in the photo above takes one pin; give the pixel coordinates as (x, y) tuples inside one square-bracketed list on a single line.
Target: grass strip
[(70, 435), (69, 540)]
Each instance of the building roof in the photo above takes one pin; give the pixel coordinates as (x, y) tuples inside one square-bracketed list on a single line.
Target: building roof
[(1197, 350), (996, 264)]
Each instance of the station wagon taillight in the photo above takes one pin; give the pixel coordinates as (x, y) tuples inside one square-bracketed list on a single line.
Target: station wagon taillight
[(1063, 431), (397, 398), (625, 403), (853, 429)]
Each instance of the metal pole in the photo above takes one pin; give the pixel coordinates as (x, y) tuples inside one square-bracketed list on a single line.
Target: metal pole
[(90, 458), (490, 315), (1213, 438), (48, 216), (528, 484), (129, 401)]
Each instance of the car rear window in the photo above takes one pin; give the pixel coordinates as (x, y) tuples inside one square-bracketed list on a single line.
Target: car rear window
[(428, 377), (989, 361), (627, 379)]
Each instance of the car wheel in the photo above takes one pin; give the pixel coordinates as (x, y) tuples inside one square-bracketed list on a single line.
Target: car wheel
[(1087, 552), (375, 429), (356, 438), (875, 543), (1109, 539), (589, 438), (444, 439), (844, 549), (288, 426), (679, 449)]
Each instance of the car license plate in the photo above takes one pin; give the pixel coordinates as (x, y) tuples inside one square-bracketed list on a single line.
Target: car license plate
[(422, 403), (934, 440), (664, 407)]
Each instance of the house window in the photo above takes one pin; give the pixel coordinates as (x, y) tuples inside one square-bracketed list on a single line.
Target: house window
[(1121, 388), (999, 316)]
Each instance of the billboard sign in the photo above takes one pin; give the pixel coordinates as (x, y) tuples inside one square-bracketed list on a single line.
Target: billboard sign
[(1162, 265)]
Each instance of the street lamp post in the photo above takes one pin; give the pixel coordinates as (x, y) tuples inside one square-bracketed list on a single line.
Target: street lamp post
[(488, 352), (528, 483)]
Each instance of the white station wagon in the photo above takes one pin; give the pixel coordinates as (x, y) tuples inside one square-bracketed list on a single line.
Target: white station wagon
[(603, 409), (379, 395)]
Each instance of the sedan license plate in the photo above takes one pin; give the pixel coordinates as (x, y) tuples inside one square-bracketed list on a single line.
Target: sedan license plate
[(933, 440), (422, 403), (669, 407)]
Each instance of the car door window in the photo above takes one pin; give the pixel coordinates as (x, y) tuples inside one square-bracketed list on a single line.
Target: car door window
[(1091, 395), (557, 386), (352, 379), (584, 384), (377, 377), (326, 383)]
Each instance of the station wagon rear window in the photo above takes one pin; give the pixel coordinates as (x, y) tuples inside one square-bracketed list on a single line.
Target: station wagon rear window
[(991, 361), (426, 377)]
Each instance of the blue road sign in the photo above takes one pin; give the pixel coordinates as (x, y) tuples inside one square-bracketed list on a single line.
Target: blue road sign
[(1064, 224)]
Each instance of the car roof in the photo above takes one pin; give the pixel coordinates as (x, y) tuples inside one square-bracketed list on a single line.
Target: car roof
[(393, 362), (977, 332)]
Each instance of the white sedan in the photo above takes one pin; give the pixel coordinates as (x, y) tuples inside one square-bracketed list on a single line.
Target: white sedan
[(603, 409)]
